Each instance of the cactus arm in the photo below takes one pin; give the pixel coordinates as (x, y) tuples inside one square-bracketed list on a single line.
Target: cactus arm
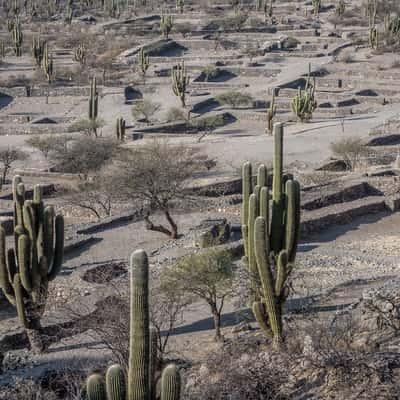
[(170, 383), (58, 249), (262, 175), (253, 208), (277, 195), (19, 300), (262, 255), (264, 203), (48, 235), (246, 190), (153, 362), (5, 282), (115, 383), (95, 388), (282, 273), (24, 249), (262, 318), (292, 223)]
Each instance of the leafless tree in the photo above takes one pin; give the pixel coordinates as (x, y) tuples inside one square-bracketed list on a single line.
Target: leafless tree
[(8, 156)]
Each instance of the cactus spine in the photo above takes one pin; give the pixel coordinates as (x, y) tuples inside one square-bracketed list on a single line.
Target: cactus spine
[(35, 260), (47, 64), (93, 104), (140, 384), (180, 81), (166, 24), (17, 37), (271, 112), (120, 129), (144, 61), (270, 238)]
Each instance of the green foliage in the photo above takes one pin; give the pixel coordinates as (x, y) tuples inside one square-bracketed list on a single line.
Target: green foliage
[(235, 99), (35, 260), (208, 276), (270, 235), (141, 380), (180, 81)]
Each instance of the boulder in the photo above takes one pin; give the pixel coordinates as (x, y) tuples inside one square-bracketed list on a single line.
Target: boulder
[(212, 232)]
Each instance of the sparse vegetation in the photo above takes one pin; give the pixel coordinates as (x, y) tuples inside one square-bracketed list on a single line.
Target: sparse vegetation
[(235, 99), (350, 150)]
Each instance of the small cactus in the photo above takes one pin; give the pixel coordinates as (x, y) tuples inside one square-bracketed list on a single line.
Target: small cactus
[(80, 54), (93, 104), (38, 50), (144, 61), (271, 112), (17, 37), (47, 64), (166, 24), (120, 129)]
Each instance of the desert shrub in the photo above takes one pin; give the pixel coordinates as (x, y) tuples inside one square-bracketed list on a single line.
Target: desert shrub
[(175, 114), (235, 99), (290, 43), (16, 80), (347, 57), (209, 277), (145, 109), (8, 157), (210, 71), (350, 150), (183, 28), (86, 125)]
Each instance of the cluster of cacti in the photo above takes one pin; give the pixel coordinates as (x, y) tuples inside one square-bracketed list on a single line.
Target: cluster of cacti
[(271, 112), (270, 237), (317, 7), (47, 63), (180, 4), (141, 382), (93, 104), (166, 24), (16, 37), (35, 260), (38, 46), (180, 81), (80, 54), (112, 7), (144, 61), (340, 8), (373, 36), (304, 103), (120, 129)]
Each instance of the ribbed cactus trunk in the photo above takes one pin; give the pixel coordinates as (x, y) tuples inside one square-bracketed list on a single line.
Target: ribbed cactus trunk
[(270, 238), (139, 346), (35, 260)]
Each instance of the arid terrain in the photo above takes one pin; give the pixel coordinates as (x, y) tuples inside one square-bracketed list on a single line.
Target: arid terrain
[(136, 118)]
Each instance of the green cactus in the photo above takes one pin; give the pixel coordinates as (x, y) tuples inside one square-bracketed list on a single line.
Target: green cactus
[(120, 129), (271, 112), (69, 14), (2, 49), (166, 24), (93, 105), (17, 37), (304, 103), (340, 8), (144, 61), (38, 46), (180, 81), (47, 63), (180, 4), (270, 237), (35, 260), (317, 7), (141, 383), (80, 54)]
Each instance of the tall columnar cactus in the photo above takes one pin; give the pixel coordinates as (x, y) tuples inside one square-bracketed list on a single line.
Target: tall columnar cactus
[(372, 7), (35, 260), (304, 103), (80, 54), (141, 383), (270, 234), (271, 112), (2, 49), (144, 61), (93, 104), (47, 63), (180, 81), (340, 8), (180, 4), (166, 24), (120, 129), (317, 7), (17, 37), (38, 46)]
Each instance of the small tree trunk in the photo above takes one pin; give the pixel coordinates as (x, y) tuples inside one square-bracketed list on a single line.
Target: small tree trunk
[(174, 227), (217, 324)]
